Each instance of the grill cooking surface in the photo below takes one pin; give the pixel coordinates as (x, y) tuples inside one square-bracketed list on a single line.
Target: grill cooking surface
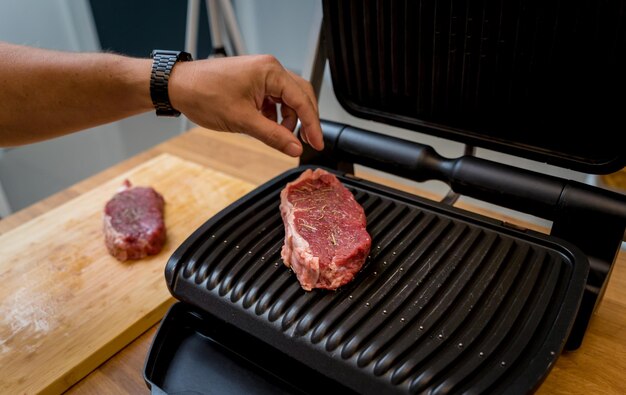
[(446, 302)]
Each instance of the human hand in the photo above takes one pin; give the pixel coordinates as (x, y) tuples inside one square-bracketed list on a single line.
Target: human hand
[(240, 94)]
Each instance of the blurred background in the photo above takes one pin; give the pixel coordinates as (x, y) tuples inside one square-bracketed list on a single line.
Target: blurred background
[(283, 28)]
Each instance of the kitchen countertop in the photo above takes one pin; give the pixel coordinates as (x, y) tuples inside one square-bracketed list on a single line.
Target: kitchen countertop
[(596, 367)]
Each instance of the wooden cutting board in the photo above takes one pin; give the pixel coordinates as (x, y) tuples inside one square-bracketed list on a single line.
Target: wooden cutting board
[(66, 305)]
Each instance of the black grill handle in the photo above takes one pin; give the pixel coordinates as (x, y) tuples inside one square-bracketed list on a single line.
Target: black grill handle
[(507, 186)]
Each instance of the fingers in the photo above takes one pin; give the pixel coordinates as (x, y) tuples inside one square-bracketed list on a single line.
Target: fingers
[(290, 118), (269, 109), (271, 133), (303, 135), (316, 140), (306, 87), (294, 93)]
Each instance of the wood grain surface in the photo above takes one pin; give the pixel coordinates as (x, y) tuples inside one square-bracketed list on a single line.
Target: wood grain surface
[(596, 368), (66, 305)]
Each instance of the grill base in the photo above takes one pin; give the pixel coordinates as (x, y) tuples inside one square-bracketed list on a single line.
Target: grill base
[(194, 352), (447, 301)]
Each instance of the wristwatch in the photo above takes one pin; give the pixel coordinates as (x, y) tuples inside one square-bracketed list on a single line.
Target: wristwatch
[(163, 62)]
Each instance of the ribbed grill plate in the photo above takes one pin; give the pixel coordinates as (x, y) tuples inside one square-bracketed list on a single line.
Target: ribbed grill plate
[(447, 301), (528, 78)]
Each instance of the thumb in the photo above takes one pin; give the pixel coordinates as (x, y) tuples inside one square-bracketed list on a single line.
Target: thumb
[(273, 134)]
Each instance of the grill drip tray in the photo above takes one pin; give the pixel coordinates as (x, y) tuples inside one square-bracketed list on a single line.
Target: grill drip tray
[(447, 302)]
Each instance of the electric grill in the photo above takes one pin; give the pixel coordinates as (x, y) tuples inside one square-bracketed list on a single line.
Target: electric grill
[(448, 301)]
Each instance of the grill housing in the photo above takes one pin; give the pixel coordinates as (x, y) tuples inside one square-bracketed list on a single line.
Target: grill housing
[(447, 302), (528, 78)]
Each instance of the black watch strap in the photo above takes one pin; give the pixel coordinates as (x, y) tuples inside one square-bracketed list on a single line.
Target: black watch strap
[(163, 62)]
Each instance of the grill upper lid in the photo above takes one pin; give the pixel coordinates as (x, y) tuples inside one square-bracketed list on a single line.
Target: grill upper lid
[(539, 80)]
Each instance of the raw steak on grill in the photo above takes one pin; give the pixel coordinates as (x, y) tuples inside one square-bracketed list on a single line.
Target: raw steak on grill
[(326, 242), (133, 222)]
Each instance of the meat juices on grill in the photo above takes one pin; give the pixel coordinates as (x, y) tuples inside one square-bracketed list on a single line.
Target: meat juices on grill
[(326, 241), (133, 223)]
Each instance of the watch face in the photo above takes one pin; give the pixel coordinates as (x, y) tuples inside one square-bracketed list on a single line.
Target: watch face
[(185, 56), (180, 55)]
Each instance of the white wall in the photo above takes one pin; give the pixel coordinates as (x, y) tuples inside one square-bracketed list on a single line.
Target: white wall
[(54, 24), (277, 27), (33, 172)]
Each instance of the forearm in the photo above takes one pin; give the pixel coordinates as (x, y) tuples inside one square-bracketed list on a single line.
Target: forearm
[(44, 94)]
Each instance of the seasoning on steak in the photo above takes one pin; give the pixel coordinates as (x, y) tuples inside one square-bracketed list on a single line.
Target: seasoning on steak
[(133, 223), (326, 242)]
